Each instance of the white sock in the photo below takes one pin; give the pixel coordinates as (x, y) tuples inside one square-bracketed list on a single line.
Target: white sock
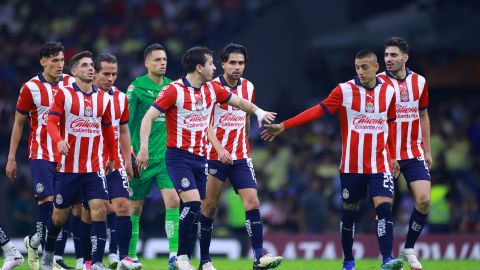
[(35, 241), (9, 250)]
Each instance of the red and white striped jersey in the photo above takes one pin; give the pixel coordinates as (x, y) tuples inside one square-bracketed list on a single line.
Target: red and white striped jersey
[(35, 100), (364, 114), (412, 96), (229, 122), (81, 119), (187, 113), (120, 116)]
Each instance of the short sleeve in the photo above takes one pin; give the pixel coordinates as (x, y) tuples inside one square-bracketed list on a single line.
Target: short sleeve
[(125, 114), (25, 101), (423, 102), (333, 102), (392, 113), (107, 115), (166, 98), (222, 94), (58, 104)]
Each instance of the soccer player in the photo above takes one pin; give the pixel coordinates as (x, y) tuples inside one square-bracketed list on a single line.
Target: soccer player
[(34, 103), (106, 70), (228, 156), (77, 121), (187, 104), (413, 137), (13, 257), (141, 94), (367, 115)]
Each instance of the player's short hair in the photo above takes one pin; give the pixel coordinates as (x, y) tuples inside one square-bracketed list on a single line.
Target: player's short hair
[(233, 48), (151, 48), (398, 42), (50, 49), (365, 53), (104, 57), (77, 57), (195, 56)]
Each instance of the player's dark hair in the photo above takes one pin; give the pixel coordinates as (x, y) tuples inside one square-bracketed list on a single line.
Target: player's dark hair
[(195, 56), (151, 48), (233, 48), (77, 57), (50, 49), (398, 42), (366, 53), (104, 57)]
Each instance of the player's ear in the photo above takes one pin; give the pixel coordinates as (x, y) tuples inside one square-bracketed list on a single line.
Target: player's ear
[(405, 57), (43, 61)]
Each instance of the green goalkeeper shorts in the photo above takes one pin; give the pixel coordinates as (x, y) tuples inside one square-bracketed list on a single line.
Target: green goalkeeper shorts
[(156, 172)]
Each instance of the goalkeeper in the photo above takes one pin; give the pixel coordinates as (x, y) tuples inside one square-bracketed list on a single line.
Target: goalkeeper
[(141, 94)]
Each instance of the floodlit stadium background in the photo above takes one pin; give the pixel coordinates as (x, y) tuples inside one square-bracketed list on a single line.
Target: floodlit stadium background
[(298, 51)]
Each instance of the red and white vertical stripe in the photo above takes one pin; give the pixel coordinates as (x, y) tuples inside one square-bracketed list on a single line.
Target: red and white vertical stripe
[(81, 127), (35, 99), (365, 133), (120, 116), (229, 124), (409, 134), (188, 114)]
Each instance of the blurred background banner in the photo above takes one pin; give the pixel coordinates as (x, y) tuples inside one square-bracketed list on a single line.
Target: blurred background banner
[(298, 51), (318, 246)]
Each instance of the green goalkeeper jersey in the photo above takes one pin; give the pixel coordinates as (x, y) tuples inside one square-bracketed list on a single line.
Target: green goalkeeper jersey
[(141, 94)]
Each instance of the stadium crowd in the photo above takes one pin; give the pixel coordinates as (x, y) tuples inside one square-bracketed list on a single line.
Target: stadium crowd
[(296, 172)]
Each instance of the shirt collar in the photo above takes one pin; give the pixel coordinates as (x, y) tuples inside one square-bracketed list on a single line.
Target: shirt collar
[(77, 88), (43, 80), (408, 72), (224, 82), (358, 83), (187, 84)]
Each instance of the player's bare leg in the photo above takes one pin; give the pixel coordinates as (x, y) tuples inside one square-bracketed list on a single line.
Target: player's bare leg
[(421, 193), (254, 226)]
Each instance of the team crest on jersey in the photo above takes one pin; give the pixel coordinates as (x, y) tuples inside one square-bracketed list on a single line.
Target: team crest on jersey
[(59, 199), (185, 182), (345, 193), (212, 171), (39, 188), (404, 97), (198, 102), (369, 107), (88, 111)]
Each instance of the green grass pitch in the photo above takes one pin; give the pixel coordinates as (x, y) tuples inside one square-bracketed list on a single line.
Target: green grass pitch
[(246, 264)]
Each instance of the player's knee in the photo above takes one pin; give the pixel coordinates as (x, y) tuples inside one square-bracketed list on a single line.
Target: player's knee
[(77, 210), (251, 203), (59, 217), (172, 201), (122, 207), (423, 203), (209, 208), (98, 212)]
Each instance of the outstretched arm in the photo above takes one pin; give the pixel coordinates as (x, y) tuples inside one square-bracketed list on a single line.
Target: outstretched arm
[(306, 116), (251, 108)]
